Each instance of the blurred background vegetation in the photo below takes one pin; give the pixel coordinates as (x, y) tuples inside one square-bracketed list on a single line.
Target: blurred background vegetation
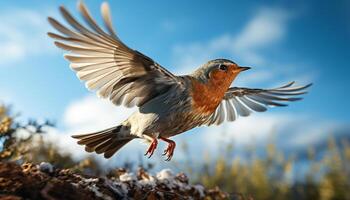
[(251, 177), (25, 143)]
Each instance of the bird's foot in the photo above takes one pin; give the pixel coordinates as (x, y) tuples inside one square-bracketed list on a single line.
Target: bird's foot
[(152, 147), (169, 151)]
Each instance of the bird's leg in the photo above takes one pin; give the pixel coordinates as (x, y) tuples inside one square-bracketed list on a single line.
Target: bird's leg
[(152, 147), (169, 151)]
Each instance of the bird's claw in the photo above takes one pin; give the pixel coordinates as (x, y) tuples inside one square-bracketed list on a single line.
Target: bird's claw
[(169, 158), (151, 148), (169, 151)]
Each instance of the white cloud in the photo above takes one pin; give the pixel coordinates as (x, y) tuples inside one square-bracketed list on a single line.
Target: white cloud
[(189, 57), (288, 131), (89, 114), (65, 142), (267, 27), (22, 34), (244, 131), (93, 113)]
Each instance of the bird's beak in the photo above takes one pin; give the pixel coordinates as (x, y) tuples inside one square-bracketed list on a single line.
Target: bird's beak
[(241, 69)]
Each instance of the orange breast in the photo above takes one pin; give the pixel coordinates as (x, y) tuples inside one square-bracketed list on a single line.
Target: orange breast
[(207, 96)]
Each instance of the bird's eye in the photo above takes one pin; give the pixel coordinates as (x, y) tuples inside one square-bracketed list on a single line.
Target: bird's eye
[(223, 67)]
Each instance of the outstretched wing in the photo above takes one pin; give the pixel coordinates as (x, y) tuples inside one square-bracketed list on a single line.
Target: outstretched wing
[(106, 64), (243, 101)]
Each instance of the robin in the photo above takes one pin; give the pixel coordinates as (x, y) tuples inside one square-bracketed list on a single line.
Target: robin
[(167, 104)]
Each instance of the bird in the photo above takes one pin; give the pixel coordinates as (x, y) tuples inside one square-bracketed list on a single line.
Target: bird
[(167, 104)]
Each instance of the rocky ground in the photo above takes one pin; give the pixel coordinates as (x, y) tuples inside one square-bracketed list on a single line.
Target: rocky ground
[(29, 181)]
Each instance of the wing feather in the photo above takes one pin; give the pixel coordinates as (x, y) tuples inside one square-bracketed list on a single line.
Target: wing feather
[(106, 64), (230, 111), (243, 101)]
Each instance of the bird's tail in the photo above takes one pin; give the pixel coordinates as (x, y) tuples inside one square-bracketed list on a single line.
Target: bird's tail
[(107, 141)]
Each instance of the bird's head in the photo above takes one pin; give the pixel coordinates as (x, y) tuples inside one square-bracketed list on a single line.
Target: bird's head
[(211, 81), (219, 71)]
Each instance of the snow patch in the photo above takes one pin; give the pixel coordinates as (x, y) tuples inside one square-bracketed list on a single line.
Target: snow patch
[(127, 177)]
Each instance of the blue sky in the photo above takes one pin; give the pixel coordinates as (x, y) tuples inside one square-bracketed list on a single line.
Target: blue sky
[(285, 41)]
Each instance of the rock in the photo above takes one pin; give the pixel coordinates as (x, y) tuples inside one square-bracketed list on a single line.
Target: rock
[(46, 167), (31, 181)]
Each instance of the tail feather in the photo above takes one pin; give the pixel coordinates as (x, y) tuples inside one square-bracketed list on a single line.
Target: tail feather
[(82, 136), (114, 147), (92, 139), (89, 150), (95, 142), (107, 141), (104, 145)]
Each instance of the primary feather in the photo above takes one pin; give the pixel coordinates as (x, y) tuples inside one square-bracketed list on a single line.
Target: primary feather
[(106, 64)]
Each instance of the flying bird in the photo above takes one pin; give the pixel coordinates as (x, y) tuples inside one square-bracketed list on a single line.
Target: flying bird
[(167, 104)]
